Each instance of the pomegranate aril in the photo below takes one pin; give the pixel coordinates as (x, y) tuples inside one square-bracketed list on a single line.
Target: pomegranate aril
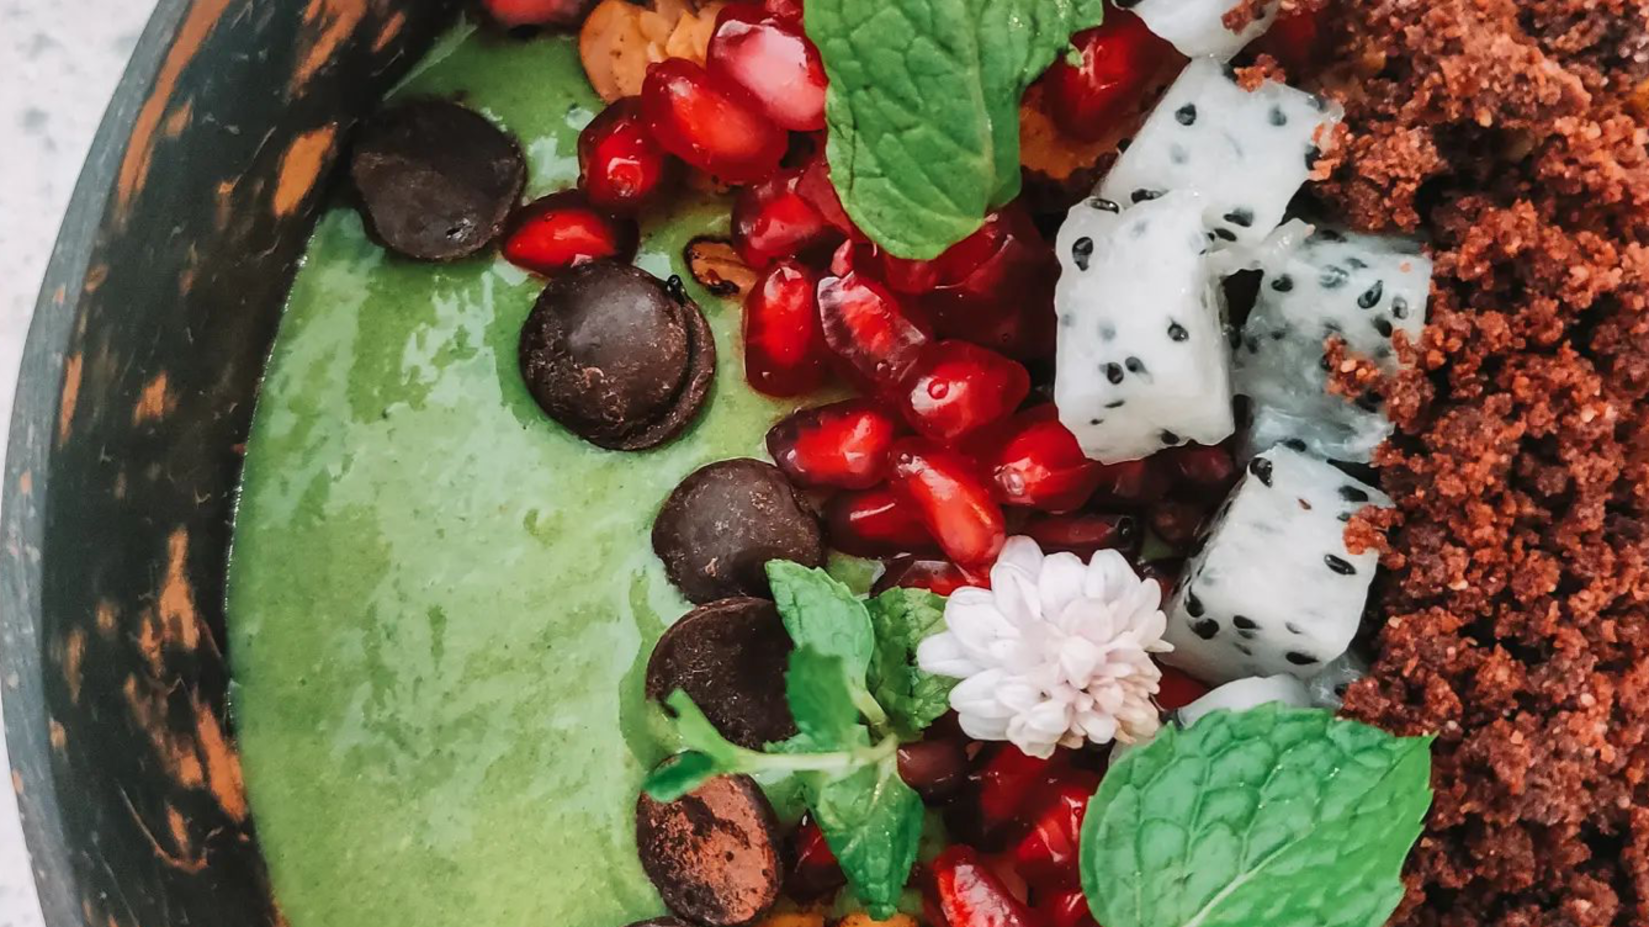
[(784, 349), (876, 523), (1118, 59), (563, 230), (787, 10), (772, 220), (1047, 855), (1083, 535), (1205, 470), (774, 62), (960, 387), (844, 445), (621, 167), (934, 768), (968, 893), (814, 871), (816, 187), (1067, 908), (1175, 521), (1134, 482), (1296, 40), (1039, 464), (940, 577), (1007, 781), (710, 122), (876, 337), (1178, 690), (951, 500)]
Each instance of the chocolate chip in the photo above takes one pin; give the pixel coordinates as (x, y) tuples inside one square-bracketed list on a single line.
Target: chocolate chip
[(713, 854), (610, 355), (730, 657), (436, 180), (719, 528)]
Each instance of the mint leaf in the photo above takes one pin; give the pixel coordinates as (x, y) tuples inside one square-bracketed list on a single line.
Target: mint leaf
[(873, 822), (821, 700), (823, 614), (902, 619), (923, 107), (679, 775), (1268, 816)]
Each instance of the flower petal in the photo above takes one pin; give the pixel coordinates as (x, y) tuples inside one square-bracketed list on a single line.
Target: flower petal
[(943, 655)]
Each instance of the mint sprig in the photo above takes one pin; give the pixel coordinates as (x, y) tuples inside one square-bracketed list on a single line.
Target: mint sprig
[(1268, 816), (923, 107), (845, 752)]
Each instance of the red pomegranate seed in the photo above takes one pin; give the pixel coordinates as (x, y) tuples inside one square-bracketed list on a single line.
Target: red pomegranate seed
[(1296, 40), (968, 893), (1047, 855), (935, 768), (1009, 779), (771, 220), (951, 500), (1118, 58), (878, 523), (878, 339), (787, 10), (940, 577), (710, 122), (621, 167), (1068, 908), (784, 349), (563, 230), (513, 14), (816, 187), (1084, 534), (771, 59), (815, 872), (1166, 573), (1176, 521), (1207, 471), (1178, 690), (1135, 482), (1039, 464), (960, 387), (844, 445)]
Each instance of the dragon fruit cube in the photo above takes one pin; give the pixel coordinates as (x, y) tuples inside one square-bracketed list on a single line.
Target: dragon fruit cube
[(1274, 589), (1243, 694), (1358, 288), (1142, 362), (1197, 27), (1247, 152)]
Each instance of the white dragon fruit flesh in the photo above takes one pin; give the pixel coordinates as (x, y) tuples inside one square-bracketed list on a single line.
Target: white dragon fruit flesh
[(1243, 694), (1142, 362), (1197, 27), (1360, 288), (1328, 688), (1246, 152), (1274, 588)]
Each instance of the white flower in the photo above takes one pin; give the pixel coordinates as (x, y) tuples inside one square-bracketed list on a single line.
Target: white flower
[(1055, 652)]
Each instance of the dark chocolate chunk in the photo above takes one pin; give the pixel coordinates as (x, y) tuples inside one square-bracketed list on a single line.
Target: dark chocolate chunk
[(612, 356), (713, 854), (436, 180), (730, 656), (719, 528)]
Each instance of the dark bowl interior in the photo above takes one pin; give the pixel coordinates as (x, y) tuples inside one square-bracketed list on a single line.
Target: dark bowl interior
[(136, 394)]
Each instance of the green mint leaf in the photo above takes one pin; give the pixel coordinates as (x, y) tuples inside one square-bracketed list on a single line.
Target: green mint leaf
[(823, 614), (923, 107), (679, 775), (902, 619), (873, 823), (1268, 816), (821, 700)]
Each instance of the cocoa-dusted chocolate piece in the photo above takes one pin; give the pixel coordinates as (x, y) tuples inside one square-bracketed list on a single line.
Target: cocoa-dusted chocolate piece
[(730, 656), (617, 358), (719, 528), (436, 180), (713, 854)]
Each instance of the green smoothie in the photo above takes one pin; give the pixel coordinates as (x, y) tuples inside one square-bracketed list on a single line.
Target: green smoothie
[(441, 601)]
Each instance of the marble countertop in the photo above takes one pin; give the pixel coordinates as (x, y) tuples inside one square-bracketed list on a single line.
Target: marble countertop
[(59, 63)]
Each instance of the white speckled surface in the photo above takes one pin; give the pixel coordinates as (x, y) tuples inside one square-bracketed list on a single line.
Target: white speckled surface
[(59, 62)]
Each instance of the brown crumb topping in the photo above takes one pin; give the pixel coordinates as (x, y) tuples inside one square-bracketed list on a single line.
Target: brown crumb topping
[(1512, 134)]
